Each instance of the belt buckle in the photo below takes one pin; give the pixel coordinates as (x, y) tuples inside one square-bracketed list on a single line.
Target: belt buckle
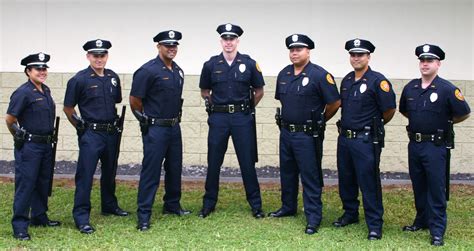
[(348, 134), (292, 128), (231, 108), (418, 137), (173, 121)]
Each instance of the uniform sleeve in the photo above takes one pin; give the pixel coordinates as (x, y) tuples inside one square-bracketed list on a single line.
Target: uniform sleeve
[(18, 103), (277, 94), (457, 103), (328, 88), (257, 77), (205, 80), (385, 96), (118, 98), (71, 98), (403, 101), (140, 83)]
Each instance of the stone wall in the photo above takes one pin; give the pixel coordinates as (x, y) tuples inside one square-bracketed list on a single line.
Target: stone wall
[(195, 128)]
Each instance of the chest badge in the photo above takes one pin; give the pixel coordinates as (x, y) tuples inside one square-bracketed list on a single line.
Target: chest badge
[(305, 81), (114, 82), (363, 88), (433, 97), (181, 73), (242, 68)]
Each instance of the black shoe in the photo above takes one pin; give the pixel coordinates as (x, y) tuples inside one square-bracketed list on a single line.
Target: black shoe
[(374, 236), (144, 226), (205, 211), (437, 241), (86, 229), (49, 223), (22, 236), (412, 228), (311, 229), (117, 212), (342, 222), (258, 213), (179, 212), (280, 213)]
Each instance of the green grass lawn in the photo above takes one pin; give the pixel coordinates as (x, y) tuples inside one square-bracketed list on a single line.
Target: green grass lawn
[(232, 226)]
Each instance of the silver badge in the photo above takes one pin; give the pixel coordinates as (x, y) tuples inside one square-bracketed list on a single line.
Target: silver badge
[(305, 81), (362, 88), (294, 38), (357, 43), (171, 34), (228, 27), (114, 82), (242, 68), (98, 43), (433, 97), (41, 56), (181, 73), (426, 48)]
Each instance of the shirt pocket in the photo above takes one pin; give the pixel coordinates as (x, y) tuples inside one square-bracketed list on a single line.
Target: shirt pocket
[(434, 107)]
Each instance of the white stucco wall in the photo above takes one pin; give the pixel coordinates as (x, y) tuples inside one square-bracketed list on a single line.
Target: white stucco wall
[(395, 27)]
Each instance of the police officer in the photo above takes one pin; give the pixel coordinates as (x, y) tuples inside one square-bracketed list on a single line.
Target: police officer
[(309, 98), (226, 82), (156, 101), (30, 119), (431, 105), (95, 90), (367, 98)]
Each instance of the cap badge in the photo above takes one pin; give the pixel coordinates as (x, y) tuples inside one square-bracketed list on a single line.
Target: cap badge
[(294, 38), (98, 43), (426, 48), (228, 27), (171, 34), (41, 56), (357, 43)]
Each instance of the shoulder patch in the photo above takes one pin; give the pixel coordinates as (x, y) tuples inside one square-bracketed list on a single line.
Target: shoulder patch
[(459, 95), (258, 67), (330, 79), (384, 86)]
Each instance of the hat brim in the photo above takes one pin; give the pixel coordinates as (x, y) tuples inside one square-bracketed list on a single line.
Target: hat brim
[(229, 36), (98, 52), (168, 43), (428, 57), (44, 66)]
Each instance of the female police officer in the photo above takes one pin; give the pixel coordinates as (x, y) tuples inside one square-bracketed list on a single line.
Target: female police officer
[(30, 119)]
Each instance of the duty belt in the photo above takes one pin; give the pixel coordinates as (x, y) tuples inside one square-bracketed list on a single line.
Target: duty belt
[(351, 134), (102, 127), (296, 127), (418, 137), (164, 122), (42, 139), (231, 108)]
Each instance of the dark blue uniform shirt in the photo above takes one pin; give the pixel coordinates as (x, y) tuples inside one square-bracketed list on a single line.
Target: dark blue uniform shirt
[(230, 84), (95, 95), (364, 99), (312, 89), (34, 110), (430, 109), (159, 88)]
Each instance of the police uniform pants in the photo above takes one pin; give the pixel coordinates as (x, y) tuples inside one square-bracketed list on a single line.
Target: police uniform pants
[(95, 146), (427, 166), (240, 126), (33, 164), (160, 143), (298, 157), (356, 168)]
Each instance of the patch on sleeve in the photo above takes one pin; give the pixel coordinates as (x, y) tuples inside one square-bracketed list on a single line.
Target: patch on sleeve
[(459, 95), (258, 67), (330, 79), (384, 86)]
